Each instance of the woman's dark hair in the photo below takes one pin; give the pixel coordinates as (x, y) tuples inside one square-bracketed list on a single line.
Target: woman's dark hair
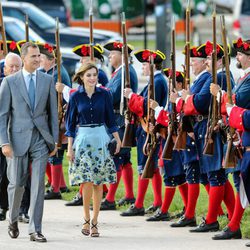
[(82, 70), (158, 66)]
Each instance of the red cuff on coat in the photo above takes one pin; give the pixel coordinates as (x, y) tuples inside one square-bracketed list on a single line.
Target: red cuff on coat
[(136, 104), (163, 118), (179, 105), (189, 108), (235, 118), (224, 101)]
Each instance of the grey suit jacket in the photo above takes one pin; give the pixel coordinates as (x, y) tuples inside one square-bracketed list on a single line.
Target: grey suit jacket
[(17, 120)]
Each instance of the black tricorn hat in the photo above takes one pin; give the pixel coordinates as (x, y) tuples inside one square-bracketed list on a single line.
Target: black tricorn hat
[(12, 46), (84, 50), (179, 75), (242, 46), (208, 47), (116, 45), (197, 51), (144, 56)]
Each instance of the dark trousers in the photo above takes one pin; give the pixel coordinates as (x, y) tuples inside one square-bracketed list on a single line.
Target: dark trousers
[(3, 182)]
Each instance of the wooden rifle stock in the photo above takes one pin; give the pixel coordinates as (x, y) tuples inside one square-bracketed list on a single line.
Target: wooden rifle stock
[(129, 134), (3, 34), (181, 140), (213, 108), (230, 159), (91, 37), (59, 79), (26, 28)]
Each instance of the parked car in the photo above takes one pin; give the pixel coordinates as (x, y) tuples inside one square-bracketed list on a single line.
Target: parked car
[(44, 25), (15, 30), (55, 8), (237, 18)]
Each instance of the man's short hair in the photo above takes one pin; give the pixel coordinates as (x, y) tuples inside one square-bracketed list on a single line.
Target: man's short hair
[(26, 46)]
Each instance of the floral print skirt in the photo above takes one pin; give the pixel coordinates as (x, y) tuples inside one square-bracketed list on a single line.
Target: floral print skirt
[(92, 162)]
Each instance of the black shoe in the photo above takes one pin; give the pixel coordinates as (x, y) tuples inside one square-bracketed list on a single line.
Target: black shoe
[(126, 201), (106, 205), (64, 190), (204, 227), (247, 244), (50, 195), (183, 222), (77, 201), (13, 230), (24, 218), (133, 211), (151, 209), (159, 216), (180, 214), (227, 234), (38, 237), (3, 214)]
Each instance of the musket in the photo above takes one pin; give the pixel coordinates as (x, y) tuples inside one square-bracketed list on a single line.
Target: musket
[(3, 34), (26, 28), (59, 79), (122, 85), (128, 138), (91, 37), (209, 138), (169, 144), (185, 122), (151, 141), (230, 159)]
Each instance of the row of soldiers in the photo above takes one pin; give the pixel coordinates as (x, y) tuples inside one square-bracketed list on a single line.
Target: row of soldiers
[(188, 168)]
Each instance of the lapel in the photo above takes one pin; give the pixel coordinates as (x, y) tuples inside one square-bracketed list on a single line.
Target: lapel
[(19, 81), (39, 87), (241, 82)]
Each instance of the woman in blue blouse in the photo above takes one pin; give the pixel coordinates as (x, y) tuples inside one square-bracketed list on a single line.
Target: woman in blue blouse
[(90, 113)]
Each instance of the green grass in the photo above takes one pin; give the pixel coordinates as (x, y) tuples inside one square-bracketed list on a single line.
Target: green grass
[(176, 205)]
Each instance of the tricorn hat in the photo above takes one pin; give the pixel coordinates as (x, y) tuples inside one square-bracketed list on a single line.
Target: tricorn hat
[(116, 45), (242, 46), (179, 75), (144, 56)]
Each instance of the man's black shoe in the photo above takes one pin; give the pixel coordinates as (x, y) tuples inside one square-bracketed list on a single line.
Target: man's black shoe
[(38, 237), (13, 230), (64, 190), (3, 214), (204, 227), (227, 234), (77, 201), (133, 211), (183, 222), (24, 218), (50, 195), (247, 244), (126, 201), (106, 205), (159, 216), (151, 209)]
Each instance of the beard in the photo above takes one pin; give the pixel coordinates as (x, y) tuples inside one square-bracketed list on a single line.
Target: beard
[(238, 65)]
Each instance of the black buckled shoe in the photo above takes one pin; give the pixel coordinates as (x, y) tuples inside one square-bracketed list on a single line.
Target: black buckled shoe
[(13, 230), (133, 211), (183, 222), (151, 209), (107, 205), (247, 244), (227, 234), (3, 214), (51, 195), (76, 201), (125, 201), (159, 216), (204, 227), (24, 218), (38, 237), (179, 214)]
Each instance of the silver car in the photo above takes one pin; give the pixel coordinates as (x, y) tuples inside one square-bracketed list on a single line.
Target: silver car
[(237, 18)]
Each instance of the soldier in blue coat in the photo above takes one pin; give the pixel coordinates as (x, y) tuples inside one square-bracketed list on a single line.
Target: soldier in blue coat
[(138, 105), (198, 105), (54, 168), (239, 118), (122, 160)]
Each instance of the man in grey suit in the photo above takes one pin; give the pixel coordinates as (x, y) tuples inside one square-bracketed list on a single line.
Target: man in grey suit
[(28, 134)]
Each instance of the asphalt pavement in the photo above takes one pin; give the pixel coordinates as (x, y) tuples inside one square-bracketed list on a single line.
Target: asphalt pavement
[(62, 227)]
